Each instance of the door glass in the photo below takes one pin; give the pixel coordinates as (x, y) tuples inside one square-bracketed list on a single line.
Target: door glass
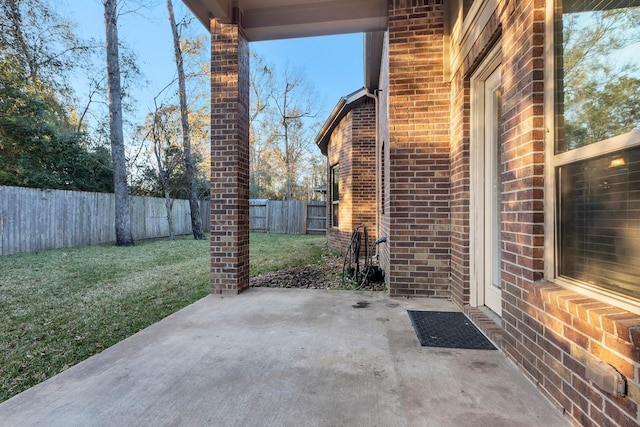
[(496, 190), (492, 193)]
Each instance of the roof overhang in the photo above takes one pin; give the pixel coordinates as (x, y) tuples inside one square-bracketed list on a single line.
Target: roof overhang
[(342, 108), (281, 19), (373, 45)]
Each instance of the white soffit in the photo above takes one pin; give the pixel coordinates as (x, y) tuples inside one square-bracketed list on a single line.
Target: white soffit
[(280, 19)]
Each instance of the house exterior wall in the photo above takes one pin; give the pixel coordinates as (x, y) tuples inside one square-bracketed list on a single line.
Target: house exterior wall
[(551, 332), (339, 152), (352, 147), (417, 218), (363, 131)]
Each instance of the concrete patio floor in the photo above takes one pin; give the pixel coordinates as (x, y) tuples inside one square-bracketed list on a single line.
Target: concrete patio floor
[(286, 357)]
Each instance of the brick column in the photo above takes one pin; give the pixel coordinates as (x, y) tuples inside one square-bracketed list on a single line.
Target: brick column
[(229, 159), (419, 198), (363, 191)]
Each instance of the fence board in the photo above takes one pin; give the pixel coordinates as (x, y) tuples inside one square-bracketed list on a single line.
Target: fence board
[(259, 215), (316, 217), (36, 219), (287, 217)]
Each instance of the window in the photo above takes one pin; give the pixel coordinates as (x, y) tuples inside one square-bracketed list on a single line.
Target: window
[(335, 195), (466, 5), (597, 143)]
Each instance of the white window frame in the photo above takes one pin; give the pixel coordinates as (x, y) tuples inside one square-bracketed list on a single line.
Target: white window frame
[(465, 31), (333, 201), (553, 161)]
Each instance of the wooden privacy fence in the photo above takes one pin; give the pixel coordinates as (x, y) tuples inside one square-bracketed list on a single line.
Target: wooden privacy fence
[(34, 220), (287, 217)]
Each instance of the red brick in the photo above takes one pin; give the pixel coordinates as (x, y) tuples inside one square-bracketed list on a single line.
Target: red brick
[(229, 159), (624, 366)]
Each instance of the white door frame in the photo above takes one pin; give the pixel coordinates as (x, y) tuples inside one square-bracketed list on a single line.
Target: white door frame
[(479, 211)]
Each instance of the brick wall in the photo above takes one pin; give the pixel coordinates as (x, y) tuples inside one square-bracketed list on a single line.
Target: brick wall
[(339, 151), (418, 221), (551, 332), (363, 130), (229, 159), (555, 333), (460, 158), (460, 182), (352, 146)]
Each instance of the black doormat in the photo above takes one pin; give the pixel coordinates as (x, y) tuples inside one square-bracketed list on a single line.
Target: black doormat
[(447, 329)]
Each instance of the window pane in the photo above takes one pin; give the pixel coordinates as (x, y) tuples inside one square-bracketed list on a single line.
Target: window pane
[(466, 5), (597, 70), (335, 178), (599, 221), (335, 195)]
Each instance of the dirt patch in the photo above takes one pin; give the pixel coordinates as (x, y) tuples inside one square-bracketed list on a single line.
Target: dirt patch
[(325, 275)]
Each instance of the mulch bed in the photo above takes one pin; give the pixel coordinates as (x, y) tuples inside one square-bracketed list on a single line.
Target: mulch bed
[(325, 275)]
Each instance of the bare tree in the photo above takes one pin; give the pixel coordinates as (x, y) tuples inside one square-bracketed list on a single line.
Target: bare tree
[(124, 236), (44, 42), (167, 154), (294, 105), (282, 128), (262, 144), (190, 169)]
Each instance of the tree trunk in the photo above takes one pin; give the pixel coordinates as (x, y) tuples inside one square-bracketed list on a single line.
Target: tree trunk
[(16, 19), (164, 176), (190, 170), (123, 216), (287, 161), (168, 204)]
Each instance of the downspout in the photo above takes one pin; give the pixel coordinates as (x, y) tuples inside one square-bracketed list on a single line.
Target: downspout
[(374, 96)]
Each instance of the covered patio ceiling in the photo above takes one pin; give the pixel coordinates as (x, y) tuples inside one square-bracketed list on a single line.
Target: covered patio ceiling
[(281, 19)]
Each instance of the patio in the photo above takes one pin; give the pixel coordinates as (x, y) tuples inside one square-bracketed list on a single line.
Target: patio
[(287, 358)]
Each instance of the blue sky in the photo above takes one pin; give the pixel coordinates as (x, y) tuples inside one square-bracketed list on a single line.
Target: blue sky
[(332, 64)]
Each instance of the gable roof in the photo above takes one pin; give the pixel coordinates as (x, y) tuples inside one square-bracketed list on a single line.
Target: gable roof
[(280, 19), (342, 108)]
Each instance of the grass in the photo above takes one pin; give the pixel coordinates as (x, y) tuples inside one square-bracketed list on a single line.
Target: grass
[(272, 252), (61, 306)]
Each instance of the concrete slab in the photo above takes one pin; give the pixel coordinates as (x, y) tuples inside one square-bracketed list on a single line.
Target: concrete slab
[(283, 357)]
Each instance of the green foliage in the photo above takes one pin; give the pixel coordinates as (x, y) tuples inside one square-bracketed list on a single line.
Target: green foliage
[(42, 43), (38, 146), (600, 75), (607, 110), (163, 134)]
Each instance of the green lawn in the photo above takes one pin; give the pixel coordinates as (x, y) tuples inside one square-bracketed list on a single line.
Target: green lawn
[(61, 306), (272, 252)]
